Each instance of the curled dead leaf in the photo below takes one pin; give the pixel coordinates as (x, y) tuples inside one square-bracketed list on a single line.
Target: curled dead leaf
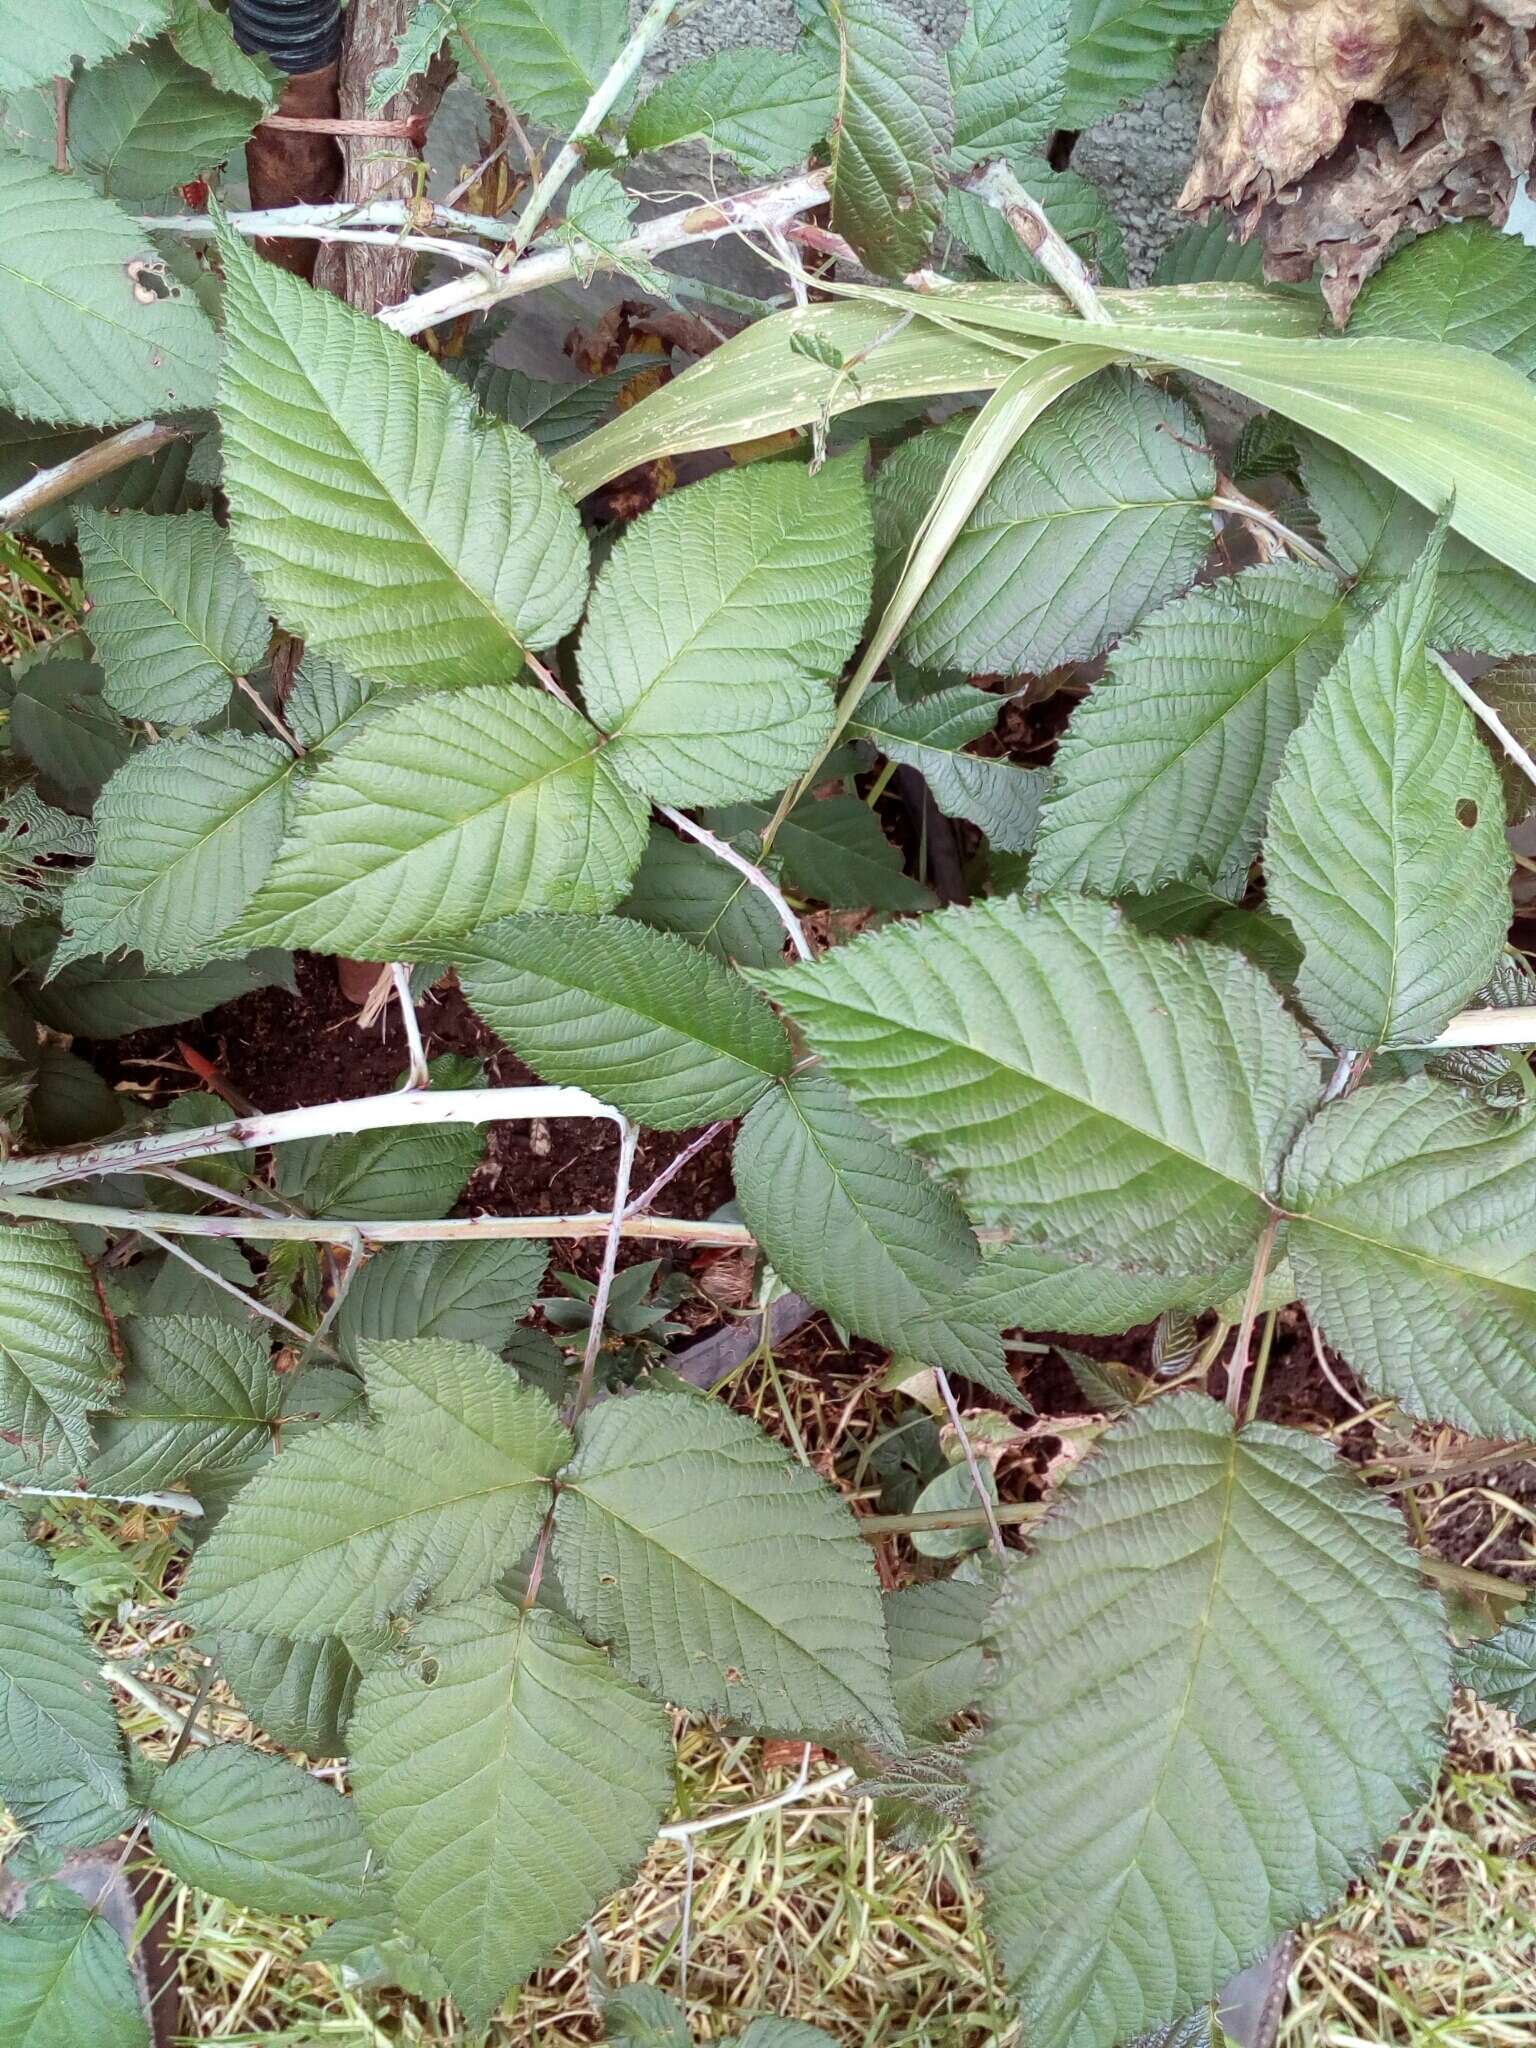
[(1332, 126)]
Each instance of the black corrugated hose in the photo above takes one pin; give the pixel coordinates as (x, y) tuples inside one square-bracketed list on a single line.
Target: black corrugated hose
[(298, 35)]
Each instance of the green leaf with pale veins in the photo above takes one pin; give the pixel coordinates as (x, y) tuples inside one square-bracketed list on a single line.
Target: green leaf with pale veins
[(203, 37), (682, 887), (108, 999), (1119, 50), (376, 1176), (39, 44), (893, 124), (938, 1662), (1098, 515), (1377, 533), (548, 56), (1502, 1669), (1075, 208), (671, 1532), (1412, 1249), (198, 1395), (77, 341), (185, 832), (1087, 1290), (1006, 73), (640, 2016), (441, 1492), (67, 1980), (1466, 284), (444, 813), (173, 615), (856, 1225), (469, 1293), (55, 1353), (57, 1725), (384, 518), (931, 735), (718, 623), (642, 1019), (1385, 846), (420, 40), (1166, 767), (473, 1765), (765, 110), (300, 1693), (258, 1831), (1130, 1096), (146, 122), (1221, 1683), (833, 849)]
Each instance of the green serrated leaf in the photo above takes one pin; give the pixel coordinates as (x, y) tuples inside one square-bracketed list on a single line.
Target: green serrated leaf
[(185, 832), (1502, 1669), (938, 1664), (548, 56), (763, 109), (80, 338), (33, 836), (1511, 690), (326, 701), (57, 1725), (198, 1395), (420, 40), (1147, 1134), (469, 1293), (173, 616), (62, 728), (1385, 845), (1196, 911), (108, 999), (1378, 534), (1205, 252), (681, 887), (1412, 1249), (377, 1176), (301, 1694), (1119, 50), (258, 1831), (145, 123), (441, 1492), (642, 1019), (857, 1226), (640, 2016), (931, 734), (1075, 208), (443, 814), (833, 850), (553, 416), (1097, 516), (1087, 1290), (1465, 284), (1203, 1611), (1166, 768), (67, 1979), (465, 1761), (1007, 73), (55, 1354), (718, 622), (668, 1541), (892, 127), (204, 39), (429, 552), (38, 45)]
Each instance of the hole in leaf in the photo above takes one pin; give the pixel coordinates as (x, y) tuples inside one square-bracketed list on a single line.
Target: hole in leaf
[(150, 281), (429, 1670), (1466, 812)]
